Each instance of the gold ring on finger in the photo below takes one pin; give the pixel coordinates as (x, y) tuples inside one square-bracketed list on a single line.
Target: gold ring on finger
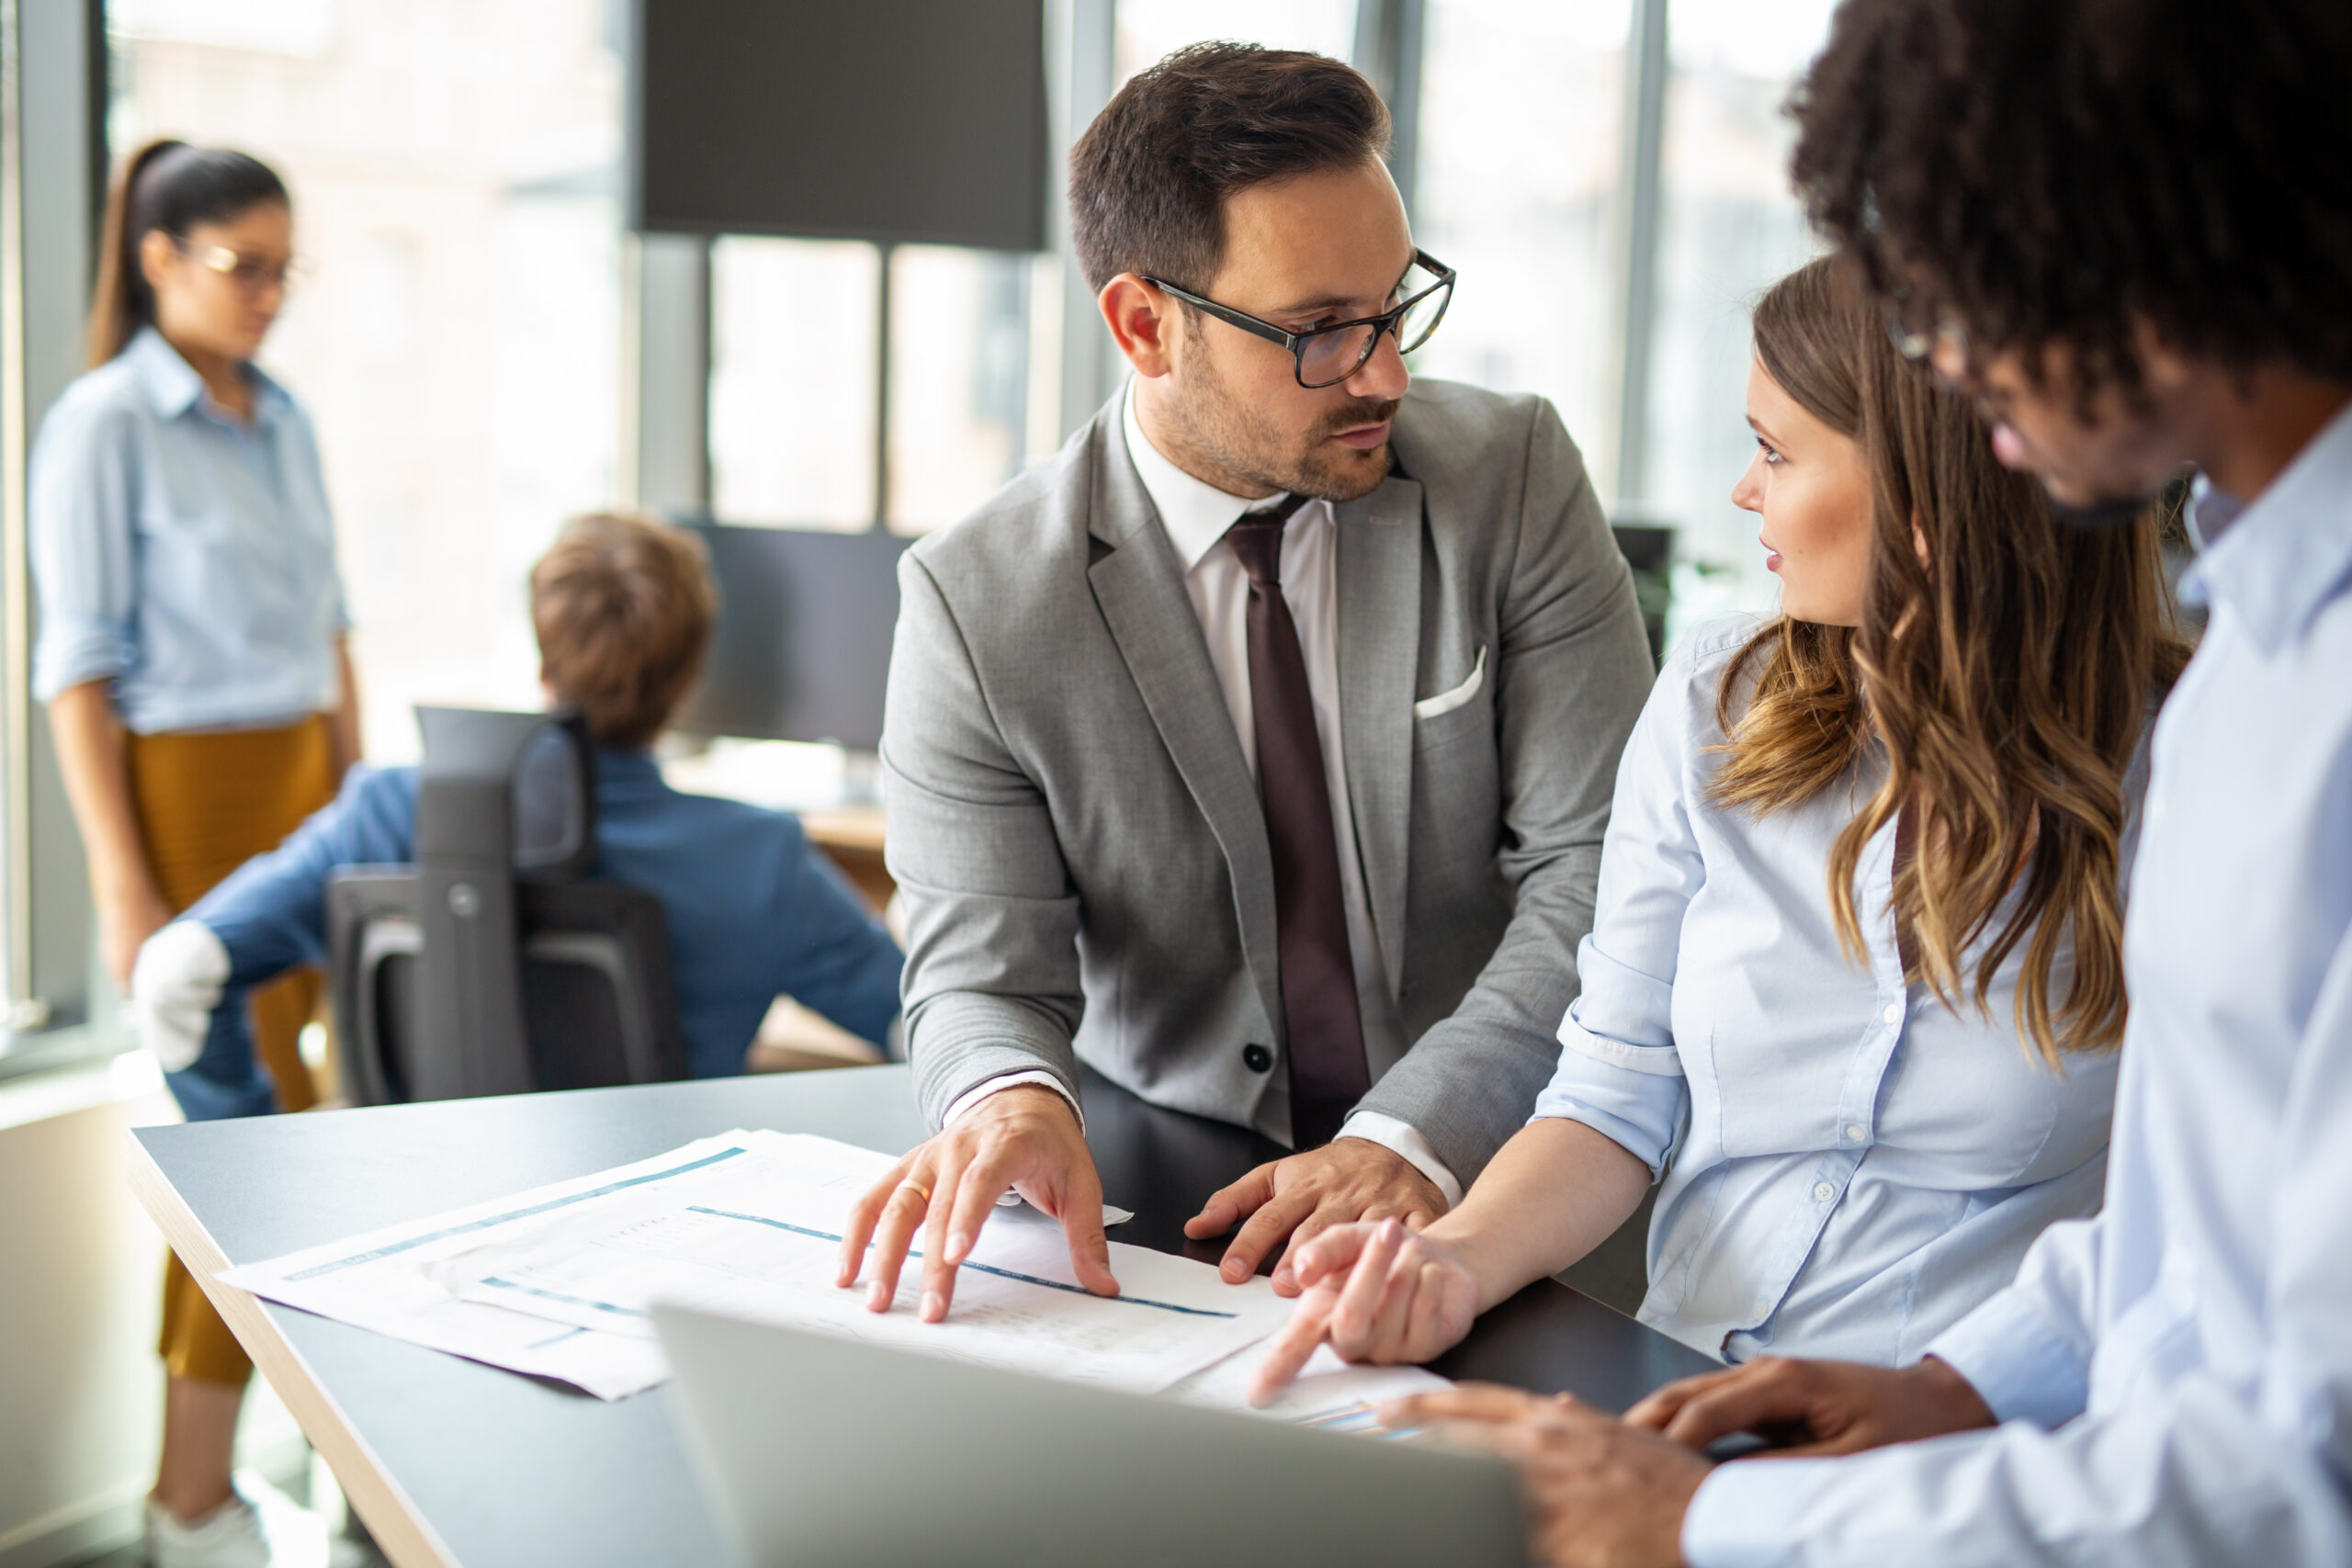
[(921, 1190)]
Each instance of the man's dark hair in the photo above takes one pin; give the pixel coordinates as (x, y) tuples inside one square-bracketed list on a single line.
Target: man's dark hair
[(1148, 181), (2055, 172)]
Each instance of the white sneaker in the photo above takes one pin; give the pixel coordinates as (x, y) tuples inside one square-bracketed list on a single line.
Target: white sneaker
[(259, 1527)]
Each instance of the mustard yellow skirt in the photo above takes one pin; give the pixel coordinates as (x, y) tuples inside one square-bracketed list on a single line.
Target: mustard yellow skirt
[(208, 802)]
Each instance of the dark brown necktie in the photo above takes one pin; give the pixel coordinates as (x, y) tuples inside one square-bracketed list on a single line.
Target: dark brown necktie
[(1328, 1074)]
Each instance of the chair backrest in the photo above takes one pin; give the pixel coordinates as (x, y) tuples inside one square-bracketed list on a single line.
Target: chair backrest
[(457, 976)]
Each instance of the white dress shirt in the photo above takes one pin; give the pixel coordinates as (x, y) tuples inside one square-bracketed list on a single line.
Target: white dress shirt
[(1195, 515), (2174, 1378), (1855, 1164)]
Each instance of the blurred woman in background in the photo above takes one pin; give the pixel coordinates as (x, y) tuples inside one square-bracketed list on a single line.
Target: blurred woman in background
[(193, 653)]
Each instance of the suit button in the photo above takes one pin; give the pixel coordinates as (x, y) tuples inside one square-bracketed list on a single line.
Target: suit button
[(1257, 1058)]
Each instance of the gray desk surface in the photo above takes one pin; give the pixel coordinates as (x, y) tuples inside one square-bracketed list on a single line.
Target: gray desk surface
[(495, 1469)]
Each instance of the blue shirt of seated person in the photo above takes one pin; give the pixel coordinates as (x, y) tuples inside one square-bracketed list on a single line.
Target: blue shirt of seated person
[(754, 910)]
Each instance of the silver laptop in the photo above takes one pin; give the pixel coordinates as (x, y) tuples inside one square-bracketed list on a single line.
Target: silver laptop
[(818, 1451)]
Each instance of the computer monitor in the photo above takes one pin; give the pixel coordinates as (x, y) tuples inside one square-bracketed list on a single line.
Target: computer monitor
[(906, 120), (802, 647)]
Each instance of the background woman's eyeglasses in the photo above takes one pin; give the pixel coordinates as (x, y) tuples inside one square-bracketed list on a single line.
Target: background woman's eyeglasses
[(1329, 356), (250, 274)]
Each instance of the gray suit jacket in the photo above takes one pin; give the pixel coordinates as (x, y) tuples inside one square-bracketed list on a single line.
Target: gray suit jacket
[(1077, 836)]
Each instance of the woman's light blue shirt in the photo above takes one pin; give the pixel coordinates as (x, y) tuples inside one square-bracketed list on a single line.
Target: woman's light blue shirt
[(183, 554), (1854, 1165)]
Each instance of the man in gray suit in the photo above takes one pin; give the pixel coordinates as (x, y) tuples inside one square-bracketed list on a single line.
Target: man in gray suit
[(1257, 749)]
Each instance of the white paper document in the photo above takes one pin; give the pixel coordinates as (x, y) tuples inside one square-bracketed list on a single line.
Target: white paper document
[(1327, 1393), (556, 1281)]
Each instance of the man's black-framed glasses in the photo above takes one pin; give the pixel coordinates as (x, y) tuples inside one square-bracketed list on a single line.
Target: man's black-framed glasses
[(1329, 356)]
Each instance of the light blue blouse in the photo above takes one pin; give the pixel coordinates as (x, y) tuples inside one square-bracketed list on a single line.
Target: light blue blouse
[(1854, 1165), (183, 554)]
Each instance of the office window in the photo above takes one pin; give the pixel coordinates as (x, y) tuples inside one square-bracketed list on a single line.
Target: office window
[(793, 344), (1521, 110), (1149, 30), (795, 335), (1729, 228), (961, 347), (454, 171)]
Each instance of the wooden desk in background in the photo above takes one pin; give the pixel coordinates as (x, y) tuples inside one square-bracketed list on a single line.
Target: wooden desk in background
[(853, 836)]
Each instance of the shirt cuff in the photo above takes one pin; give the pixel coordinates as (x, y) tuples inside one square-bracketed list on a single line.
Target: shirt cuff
[(988, 1087), (2020, 1370), (71, 653), (1404, 1140), (1745, 1514)]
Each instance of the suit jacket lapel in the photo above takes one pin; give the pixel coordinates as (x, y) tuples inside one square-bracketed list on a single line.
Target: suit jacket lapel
[(1139, 585), (1380, 652)]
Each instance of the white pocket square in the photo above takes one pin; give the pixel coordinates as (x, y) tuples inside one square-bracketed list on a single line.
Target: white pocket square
[(1446, 702)]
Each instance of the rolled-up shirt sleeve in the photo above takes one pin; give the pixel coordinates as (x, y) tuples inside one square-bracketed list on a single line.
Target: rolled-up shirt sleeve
[(1618, 1071), (80, 500)]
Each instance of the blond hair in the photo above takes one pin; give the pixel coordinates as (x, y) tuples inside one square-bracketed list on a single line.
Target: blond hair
[(623, 606), (2008, 662)]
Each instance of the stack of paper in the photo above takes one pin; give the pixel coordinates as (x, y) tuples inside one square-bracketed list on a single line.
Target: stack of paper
[(557, 1282)]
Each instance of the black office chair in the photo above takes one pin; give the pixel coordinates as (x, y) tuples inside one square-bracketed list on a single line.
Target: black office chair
[(492, 966)]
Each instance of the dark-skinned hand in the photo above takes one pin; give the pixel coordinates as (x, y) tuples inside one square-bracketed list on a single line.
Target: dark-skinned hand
[(1600, 1494), (1811, 1408)]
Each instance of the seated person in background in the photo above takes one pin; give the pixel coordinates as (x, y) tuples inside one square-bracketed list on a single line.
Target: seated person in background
[(1856, 960), (623, 608), (1224, 756)]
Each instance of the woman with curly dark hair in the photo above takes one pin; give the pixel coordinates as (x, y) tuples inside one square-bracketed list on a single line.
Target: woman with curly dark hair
[(2124, 227)]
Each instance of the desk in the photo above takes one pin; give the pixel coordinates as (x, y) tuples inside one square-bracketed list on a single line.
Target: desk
[(853, 836), (452, 1463)]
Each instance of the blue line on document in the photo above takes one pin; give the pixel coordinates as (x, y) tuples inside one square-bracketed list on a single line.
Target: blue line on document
[(983, 1268), (589, 1301), (414, 1241), (555, 1340)]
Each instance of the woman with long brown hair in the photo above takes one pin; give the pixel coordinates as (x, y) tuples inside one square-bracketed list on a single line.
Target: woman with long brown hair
[(192, 653), (1854, 981)]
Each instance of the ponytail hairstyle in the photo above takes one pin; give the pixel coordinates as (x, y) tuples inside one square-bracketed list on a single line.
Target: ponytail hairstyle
[(2006, 663), (173, 186)]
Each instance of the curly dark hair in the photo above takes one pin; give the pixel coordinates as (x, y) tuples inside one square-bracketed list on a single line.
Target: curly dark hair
[(2054, 173), (1148, 181)]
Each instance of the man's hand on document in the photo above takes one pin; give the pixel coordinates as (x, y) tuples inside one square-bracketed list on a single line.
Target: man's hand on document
[(1026, 1138), (1301, 1196)]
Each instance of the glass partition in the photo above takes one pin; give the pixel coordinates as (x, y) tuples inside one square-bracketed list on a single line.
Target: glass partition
[(793, 346), (454, 173), (1148, 30), (1730, 226), (1521, 110)]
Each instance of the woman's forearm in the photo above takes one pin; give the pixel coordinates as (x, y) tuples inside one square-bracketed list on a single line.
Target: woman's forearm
[(93, 757), (1549, 1196)]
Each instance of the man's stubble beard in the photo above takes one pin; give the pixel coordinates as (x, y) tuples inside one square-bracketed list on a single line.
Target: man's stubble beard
[(1234, 437)]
